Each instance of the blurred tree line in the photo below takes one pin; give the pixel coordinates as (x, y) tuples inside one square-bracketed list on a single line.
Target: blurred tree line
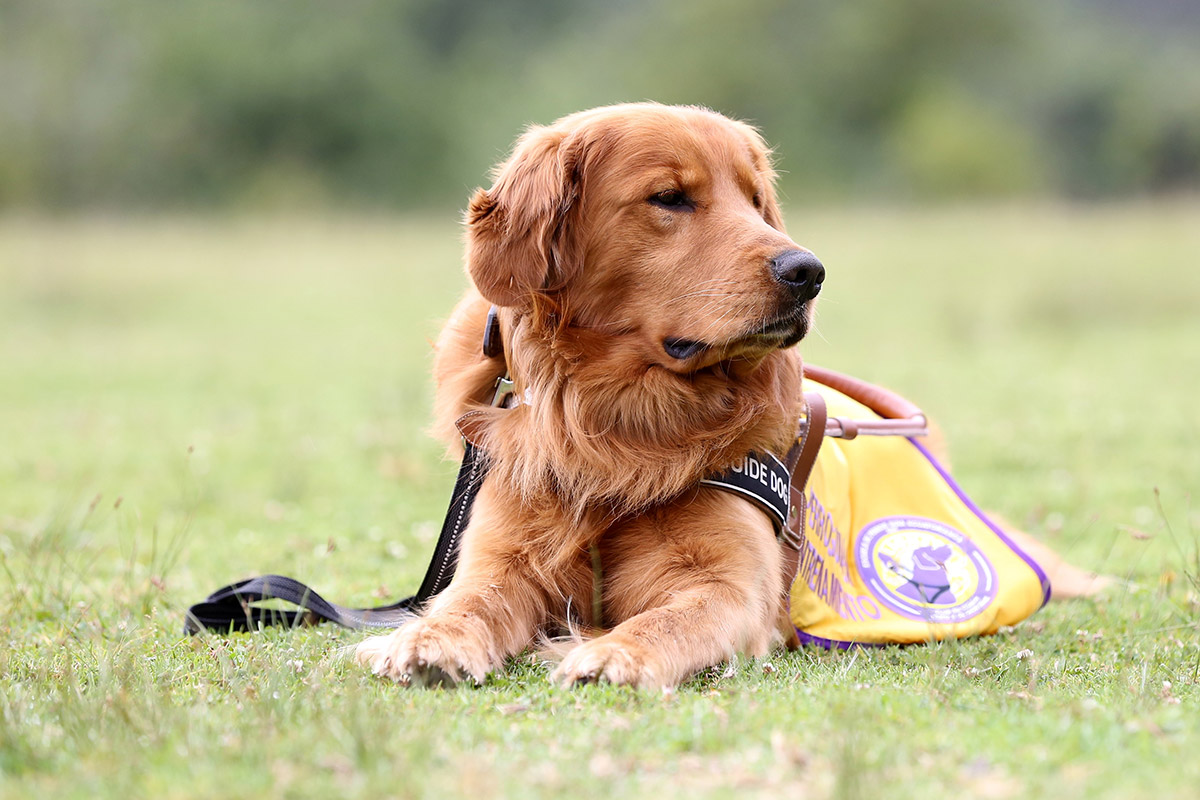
[(146, 103)]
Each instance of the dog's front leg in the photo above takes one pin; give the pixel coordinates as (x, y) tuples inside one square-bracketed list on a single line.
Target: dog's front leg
[(688, 586), (490, 611)]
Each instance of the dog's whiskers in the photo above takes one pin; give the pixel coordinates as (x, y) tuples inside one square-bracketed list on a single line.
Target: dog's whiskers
[(714, 323)]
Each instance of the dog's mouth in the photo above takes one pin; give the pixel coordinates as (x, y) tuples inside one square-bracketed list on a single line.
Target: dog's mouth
[(776, 334), (784, 331)]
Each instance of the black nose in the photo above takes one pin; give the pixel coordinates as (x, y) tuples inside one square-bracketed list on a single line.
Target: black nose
[(800, 271)]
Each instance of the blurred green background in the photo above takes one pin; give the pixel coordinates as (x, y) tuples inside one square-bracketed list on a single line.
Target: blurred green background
[(406, 103), (228, 233)]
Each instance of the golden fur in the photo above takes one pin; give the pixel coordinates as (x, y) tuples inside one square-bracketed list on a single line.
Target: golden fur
[(594, 266)]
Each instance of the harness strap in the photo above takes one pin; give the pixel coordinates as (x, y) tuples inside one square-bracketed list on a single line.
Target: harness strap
[(801, 460), (762, 479), (810, 442)]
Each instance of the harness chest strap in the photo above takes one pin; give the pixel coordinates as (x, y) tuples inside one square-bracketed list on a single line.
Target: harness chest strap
[(761, 477), (775, 487)]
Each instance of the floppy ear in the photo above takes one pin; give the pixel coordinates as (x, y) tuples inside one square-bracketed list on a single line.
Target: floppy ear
[(514, 228)]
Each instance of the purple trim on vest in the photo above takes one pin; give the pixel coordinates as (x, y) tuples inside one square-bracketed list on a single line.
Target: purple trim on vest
[(833, 644), (1045, 581)]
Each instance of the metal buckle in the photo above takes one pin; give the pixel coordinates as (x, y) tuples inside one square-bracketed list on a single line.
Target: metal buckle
[(504, 390)]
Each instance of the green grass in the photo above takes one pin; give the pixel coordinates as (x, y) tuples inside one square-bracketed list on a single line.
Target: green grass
[(186, 402)]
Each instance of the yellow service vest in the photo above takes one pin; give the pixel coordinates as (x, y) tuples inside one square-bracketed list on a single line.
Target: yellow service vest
[(894, 552)]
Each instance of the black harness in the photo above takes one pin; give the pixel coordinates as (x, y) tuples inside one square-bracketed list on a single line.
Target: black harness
[(763, 479)]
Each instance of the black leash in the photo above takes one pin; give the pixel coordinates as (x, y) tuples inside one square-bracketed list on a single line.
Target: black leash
[(229, 608)]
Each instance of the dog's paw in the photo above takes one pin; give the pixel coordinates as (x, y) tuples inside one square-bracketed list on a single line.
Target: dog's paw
[(612, 658), (437, 651)]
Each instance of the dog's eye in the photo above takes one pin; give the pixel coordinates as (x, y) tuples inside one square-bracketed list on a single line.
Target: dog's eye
[(672, 199), (758, 200)]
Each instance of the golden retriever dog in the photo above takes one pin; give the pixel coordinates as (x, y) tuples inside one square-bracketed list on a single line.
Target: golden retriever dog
[(648, 301)]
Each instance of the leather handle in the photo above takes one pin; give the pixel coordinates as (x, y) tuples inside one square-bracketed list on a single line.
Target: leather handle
[(900, 417)]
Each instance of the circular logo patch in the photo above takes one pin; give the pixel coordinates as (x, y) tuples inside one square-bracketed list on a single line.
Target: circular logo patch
[(924, 570)]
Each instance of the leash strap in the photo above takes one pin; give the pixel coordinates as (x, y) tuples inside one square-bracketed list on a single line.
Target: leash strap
[(229, 608)]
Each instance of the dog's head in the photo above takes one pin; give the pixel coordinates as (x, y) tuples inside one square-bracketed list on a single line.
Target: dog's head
[(655, 227)]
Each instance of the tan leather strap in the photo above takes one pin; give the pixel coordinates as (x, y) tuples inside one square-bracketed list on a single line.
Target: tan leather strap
[(810, 443), (800, 462)]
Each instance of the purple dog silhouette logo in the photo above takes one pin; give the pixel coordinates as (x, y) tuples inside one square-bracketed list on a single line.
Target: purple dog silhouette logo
[(924, 570), (927, 580)]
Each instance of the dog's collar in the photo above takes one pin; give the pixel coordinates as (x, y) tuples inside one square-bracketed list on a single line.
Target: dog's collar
[(493, 341)]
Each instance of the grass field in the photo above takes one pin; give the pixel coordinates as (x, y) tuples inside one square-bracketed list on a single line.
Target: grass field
[(187, 402)]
